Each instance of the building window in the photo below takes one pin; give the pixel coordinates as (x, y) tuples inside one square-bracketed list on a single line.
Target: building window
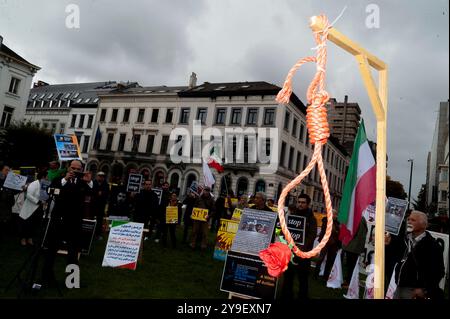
[(220, 116), (184, 116), (305, 161), (6, 116), (90, 121), (14, 85), (122, 138), (236, 115), (179, 139), (169, 115), (109, 141), (53, 129), (291, 158), (150, 142), (297, 165), (62, 127), (252, 116), (73, 121), (81, 123), (287, 118), (164, 144), (302, 132), (114, 115), (155, 114), (242, 186), (260, 186), (102, 115), (201, 115), (86, 144), (141, 115), (282, 154), (294, 127), (268, 147), (269, 116), (126, 116), (174, 179), (136, 142)]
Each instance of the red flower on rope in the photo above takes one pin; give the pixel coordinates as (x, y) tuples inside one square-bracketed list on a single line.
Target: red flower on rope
[(276, 258)]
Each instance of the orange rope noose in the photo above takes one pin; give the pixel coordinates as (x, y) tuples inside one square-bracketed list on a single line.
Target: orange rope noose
[(317, 124)]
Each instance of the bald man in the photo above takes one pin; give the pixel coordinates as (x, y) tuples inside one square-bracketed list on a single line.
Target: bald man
[(421, 267), (66, 216)]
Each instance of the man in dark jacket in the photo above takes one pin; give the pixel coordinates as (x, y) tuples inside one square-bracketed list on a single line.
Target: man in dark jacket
[(200, 228), (161, 212), (422, 266), (301, 266), (145, 202), (101, 193), (66, 216)]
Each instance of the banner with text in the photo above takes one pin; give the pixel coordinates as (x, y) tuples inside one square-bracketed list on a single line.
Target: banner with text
[(123, 245)]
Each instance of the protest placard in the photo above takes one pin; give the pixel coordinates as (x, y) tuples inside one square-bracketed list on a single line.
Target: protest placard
[(171, 214), (296, 226), (255, 231), (199, 214), (225, 235), (442, 240), (236, 214), (134, 183), (67, 147), (87, 235), (15, 181), (246, 275), (395, 212), (124, 241)]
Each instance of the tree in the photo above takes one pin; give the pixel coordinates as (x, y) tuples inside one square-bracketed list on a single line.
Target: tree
[(394, 189), (421, 202), (25, 144)]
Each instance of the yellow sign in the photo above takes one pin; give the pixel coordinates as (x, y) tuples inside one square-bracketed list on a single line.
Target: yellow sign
[(225, 236), (236, 214), (199, 214), (234, 202), (171, 214)]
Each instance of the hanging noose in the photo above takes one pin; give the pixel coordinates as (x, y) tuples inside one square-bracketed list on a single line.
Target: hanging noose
[(317, 124)]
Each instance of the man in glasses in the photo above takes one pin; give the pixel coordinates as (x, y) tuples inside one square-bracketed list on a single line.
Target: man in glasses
[(65, 224), (301, 266)]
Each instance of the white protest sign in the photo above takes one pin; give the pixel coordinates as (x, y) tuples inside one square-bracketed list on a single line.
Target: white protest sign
[(124, 241), (442, 239), (15, 181)]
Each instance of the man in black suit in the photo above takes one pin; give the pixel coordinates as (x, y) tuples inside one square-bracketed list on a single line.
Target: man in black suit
[(66, 216)]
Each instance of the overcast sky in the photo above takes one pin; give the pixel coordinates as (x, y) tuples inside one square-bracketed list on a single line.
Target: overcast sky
[(162, 42)]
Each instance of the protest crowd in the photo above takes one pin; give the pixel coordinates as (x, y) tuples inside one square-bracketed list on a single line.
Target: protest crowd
[(72, 194)]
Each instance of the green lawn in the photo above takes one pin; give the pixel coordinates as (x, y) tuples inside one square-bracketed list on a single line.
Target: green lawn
[(163, 273)]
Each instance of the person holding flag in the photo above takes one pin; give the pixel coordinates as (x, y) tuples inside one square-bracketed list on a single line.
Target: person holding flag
[(359, 192)]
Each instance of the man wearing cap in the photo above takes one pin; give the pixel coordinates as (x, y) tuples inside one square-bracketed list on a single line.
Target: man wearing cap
[(200, 228), (101, 194)]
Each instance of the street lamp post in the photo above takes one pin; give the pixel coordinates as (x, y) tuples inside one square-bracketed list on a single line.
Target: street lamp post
[(410, 180)]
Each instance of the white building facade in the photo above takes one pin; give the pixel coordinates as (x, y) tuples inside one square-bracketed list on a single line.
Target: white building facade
[(16, 76), (136, 125), (67, 109)]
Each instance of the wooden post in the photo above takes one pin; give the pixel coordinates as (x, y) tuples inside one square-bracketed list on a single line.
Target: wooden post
[(378, 99)]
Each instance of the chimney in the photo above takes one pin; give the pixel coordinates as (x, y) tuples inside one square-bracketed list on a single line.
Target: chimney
[(193, 80), (1, 40)]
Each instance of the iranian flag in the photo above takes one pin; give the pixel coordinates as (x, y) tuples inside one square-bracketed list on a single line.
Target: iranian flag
[(215, 162), (359, 188)]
